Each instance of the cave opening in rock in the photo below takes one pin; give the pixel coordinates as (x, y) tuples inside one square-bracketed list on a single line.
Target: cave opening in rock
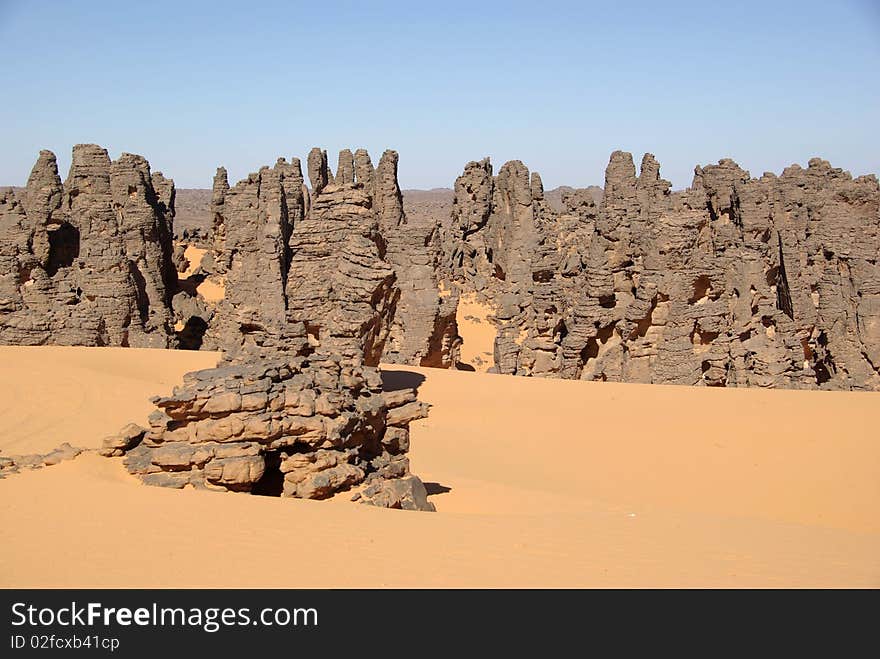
[(272, 482), (824, 366), (63, 248), (646, 323), (590, 351), (703, 337), (702, 286), (823, 375), (192, 335), (608, 301), (313, 334), (542, 276)]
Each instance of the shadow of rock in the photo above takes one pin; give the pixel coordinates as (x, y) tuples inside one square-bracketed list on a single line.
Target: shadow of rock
[(192, 334), (436, 488), (191, 284), (397, 380)]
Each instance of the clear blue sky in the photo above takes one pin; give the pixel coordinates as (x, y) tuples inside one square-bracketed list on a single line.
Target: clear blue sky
[(559, 85)]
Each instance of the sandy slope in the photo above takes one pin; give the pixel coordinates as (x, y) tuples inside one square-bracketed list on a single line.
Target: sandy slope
[(537, 483), (55, 394)]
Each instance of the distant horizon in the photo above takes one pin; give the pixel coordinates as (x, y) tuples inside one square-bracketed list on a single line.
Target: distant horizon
[(64, 167), (192, 86)]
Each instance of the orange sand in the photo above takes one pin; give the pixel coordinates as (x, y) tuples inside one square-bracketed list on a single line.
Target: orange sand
[(53, 394), (537, 483), (194, 256), (213, 288), (212, 291), (477, 332)]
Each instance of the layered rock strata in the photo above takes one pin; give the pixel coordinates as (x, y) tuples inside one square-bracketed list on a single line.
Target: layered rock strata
[(13, 464), (88, 262), (296, 408), (736, 281), (305, 427), (339, 268)]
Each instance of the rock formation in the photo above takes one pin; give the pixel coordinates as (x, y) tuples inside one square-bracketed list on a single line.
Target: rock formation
[(296, 408), (13, 464), (253, 254), (317, 267), (735, 281), (340, 287), (304, 427), (218, 257), (89, 262), (424, 332)]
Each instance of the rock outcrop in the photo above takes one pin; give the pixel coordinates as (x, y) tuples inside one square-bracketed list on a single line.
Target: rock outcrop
[(304, 427), (13, 464), (424, 332), (339, 268), (735, 281), (252, 227), (89, 262), (296, 408), (340, 287)]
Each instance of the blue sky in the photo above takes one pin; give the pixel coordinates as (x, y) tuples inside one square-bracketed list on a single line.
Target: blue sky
[(558, 85)]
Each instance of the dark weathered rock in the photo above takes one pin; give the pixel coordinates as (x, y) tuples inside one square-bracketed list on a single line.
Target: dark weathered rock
[(89, 262), (339, 285), (403, 493), (220, 256), (736, 281), (296, 408), (424, 331), (345, 168), (125, 440), (13, 464), (296, 194), (254, 257), (319, 171), (307, 427), (307, 272)]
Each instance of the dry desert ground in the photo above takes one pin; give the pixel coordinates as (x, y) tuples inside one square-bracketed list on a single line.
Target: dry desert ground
[(536, 482)]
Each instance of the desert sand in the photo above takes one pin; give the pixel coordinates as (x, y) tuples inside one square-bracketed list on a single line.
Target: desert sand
[(51, 394), (194, 257), (212, 289), (536, 482), (472, 318)]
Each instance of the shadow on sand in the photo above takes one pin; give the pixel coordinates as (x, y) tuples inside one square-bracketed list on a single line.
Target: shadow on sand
[(436, 488), (397, 380)]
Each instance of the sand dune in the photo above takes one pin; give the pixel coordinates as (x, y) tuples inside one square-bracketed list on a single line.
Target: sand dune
[(55, 394), (536, 482)]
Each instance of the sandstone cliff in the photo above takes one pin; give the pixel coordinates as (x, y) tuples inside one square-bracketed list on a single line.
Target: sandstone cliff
[(736, 281), (310, 300), (88, 262)]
